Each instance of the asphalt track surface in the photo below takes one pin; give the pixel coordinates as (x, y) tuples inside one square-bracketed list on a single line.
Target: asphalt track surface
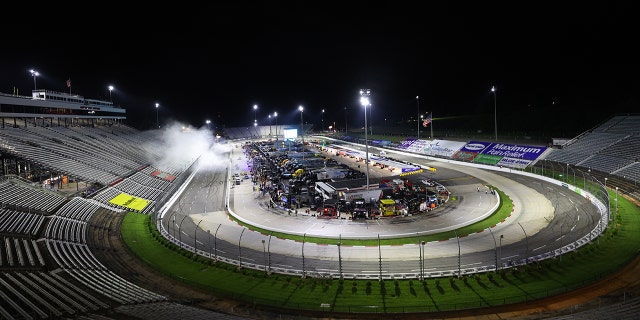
[(547, 219)]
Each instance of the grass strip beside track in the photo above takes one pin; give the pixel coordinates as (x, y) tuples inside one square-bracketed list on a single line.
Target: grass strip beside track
[(614, 249)]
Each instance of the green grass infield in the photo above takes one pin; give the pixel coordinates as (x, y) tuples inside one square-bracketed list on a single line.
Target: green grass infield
[(618, 246)]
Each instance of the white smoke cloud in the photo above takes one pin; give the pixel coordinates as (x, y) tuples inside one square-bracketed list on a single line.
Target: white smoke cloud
[(180, 145)]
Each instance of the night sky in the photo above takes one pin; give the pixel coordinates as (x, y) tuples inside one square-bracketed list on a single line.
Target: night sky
[(561, 68)]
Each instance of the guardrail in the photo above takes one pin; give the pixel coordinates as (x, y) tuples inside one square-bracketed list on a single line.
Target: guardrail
[(257, 250)]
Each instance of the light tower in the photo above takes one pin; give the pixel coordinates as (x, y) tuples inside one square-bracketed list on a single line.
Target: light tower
[(364, 100), (495, 111), (301, 124), (34, 74), (255, 119), (345, 121), (418, 115), (157, 122), (275, 115)]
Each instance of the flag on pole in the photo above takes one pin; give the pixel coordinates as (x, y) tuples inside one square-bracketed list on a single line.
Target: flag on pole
[(69, 83), (427, 120)]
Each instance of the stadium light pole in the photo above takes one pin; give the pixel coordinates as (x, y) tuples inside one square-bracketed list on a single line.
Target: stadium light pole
[(418, 115), (110, 89), (364, 100), (157, 122), (345, 120), (208, 122), (269, 125), (34, 73), (255, 112), (495, 111), (301, 108), (322, 121), (431, 125), (370, 117), (275, 115)]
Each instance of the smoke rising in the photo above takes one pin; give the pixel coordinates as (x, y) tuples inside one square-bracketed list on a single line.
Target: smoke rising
[(180, 145)]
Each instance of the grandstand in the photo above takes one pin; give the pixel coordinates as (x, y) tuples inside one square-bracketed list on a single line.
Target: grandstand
[(47, 263), (610, 150)]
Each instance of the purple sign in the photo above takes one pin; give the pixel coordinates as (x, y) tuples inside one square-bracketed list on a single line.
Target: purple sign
[(504, 150), (514, 151), (406, 143)]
